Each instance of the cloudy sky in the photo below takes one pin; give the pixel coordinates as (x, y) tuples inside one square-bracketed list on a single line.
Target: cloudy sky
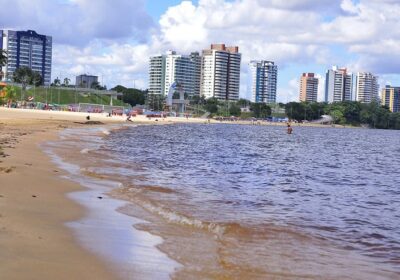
[(115, 38)]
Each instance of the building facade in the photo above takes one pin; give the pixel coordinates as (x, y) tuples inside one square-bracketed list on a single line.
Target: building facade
[(338, 85), (367, 87), (264, 81), (220, 72), (157, 74), (172, 67), (308, 87), (391, 98), (86, 81), (27, 48)]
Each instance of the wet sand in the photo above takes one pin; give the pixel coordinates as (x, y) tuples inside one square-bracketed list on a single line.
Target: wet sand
[(34, 243)]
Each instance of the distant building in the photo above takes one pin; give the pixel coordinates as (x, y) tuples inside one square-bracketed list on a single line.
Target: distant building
[(157, 75), (172, 67), (264, 81), (27, 48), (391, 98), (367, 87), (86, 81), (221, 72), (338, 85), (308, 87)]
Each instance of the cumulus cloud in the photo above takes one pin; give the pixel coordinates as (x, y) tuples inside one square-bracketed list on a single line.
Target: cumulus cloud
[(78, 22), (117, 38)]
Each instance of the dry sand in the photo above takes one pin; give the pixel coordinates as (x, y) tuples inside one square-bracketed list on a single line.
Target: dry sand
[(34, 243)]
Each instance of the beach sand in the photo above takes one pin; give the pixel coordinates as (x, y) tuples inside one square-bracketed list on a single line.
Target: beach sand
[(34, 243)]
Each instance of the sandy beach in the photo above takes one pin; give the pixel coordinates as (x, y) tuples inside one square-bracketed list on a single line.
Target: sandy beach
[(34, 243)]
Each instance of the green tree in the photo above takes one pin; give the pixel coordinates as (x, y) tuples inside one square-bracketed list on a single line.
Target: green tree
[(66, 81), (260, 110), (234, 110), (3, 58), (57, 82), (131, 96), (25, 76), (10, 95)]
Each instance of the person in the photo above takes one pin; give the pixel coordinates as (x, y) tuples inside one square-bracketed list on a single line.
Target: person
[(129, 119), (289, 128)]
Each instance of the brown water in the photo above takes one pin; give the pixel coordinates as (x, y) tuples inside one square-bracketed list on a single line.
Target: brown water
[(234, 202)]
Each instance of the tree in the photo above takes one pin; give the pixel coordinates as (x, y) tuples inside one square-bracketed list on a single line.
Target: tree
[(260, 110), (234, 110), (25, 76), (131, 96), (3, 58), (57, 82), (66, 81), (10, 95)]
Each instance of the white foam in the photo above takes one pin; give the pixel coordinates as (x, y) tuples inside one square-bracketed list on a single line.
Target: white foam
[(85, 151)]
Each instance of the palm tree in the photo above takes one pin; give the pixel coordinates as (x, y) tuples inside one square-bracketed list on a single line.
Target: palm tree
[(66, 81)]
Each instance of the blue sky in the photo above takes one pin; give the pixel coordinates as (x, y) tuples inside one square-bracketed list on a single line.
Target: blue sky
[(114, 39)]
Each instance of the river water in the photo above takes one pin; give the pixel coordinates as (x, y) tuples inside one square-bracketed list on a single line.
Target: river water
[(235, 201)]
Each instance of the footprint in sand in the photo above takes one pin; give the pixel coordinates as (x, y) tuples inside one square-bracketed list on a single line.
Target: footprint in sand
[(8, 169)]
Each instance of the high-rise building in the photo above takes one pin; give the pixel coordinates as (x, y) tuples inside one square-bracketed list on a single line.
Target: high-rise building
[(172, 67), (86, 81), (264, 81), (391, 98), (157, 74), (27, 48), (367, 87), (338, 85), (308, 87), (221, 72)]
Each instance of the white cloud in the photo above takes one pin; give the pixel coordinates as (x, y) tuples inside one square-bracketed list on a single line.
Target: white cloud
[(116, 38)]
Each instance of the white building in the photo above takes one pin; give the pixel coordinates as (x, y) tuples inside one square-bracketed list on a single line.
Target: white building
[(264, 81), (338, 85), (27, 48), (157, 74), (367, 87), (221, 72), (172, 67)]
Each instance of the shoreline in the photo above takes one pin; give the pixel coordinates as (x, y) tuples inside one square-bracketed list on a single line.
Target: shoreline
[(34, 241)]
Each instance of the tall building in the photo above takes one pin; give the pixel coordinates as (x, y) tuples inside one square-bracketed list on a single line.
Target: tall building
[(264, 80), (308, 87), (86, 81), (367, 87), (221, 72), (391, 98), (27, 48), (338, 85), (172, 67), (157, 74)]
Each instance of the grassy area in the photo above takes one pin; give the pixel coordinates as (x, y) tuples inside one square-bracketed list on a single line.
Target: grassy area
[(54, 95)]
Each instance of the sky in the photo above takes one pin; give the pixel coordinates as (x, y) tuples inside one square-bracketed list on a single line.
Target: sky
[(114, 39)]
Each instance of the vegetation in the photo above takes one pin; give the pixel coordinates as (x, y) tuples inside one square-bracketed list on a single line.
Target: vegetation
[(345, 113), (57, 95), (3, 58), (10, 95), (26, 76), (131, 96)]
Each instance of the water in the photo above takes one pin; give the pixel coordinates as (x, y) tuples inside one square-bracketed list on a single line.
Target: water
[(321, 202)]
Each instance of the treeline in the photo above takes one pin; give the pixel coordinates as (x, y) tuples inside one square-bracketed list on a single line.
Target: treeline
[(131, 96), (346, 113), (232, 108)]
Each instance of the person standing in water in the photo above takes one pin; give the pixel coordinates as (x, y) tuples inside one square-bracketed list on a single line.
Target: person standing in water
[(289, 128)]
